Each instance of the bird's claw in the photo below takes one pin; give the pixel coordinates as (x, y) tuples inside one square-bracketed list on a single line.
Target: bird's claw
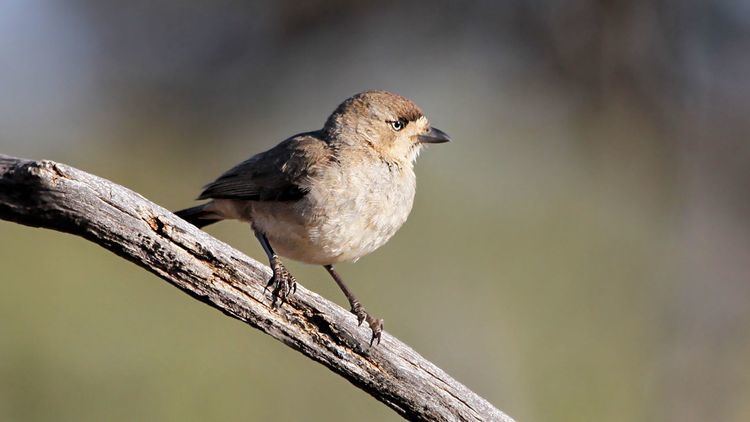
[(282, 282), (376, 324)]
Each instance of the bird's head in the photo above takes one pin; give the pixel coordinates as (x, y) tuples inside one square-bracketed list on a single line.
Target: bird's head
[(389, 124)]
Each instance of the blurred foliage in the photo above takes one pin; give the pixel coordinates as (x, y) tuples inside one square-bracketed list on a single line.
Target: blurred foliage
[(579, 253)]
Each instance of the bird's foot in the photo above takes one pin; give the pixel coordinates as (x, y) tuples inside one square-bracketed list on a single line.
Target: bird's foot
[(376, 324), (282, 282)]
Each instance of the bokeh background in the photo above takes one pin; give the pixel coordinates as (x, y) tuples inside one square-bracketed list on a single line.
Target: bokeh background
[(581, 252)]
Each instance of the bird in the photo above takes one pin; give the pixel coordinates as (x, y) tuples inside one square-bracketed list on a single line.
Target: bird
[(327, 196)]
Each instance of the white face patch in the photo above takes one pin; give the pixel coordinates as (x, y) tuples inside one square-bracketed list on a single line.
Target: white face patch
[(419, 127)]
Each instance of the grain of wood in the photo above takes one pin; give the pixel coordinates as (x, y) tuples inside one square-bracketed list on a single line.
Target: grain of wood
[(59, 197)]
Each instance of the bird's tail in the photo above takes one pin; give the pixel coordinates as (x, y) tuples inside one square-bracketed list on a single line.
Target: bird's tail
[(200, 215)]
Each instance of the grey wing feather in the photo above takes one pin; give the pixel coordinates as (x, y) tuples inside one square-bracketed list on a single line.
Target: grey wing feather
[(273, 175)]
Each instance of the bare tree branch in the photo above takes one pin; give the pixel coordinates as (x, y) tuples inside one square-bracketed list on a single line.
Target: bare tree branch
[(59, 197)]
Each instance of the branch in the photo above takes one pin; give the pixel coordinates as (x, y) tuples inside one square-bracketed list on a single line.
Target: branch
[(59, 197)]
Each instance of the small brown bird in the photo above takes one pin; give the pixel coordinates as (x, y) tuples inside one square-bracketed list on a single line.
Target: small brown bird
[(327, 196)]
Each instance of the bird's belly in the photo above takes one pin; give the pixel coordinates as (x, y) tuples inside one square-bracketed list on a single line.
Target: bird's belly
[(326, 230)]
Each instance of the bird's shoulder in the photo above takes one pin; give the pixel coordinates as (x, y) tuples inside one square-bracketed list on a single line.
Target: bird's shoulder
[(300, 154), (278, 174)]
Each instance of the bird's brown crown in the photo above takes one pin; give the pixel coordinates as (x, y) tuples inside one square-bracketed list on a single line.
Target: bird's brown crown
[(374, 106)]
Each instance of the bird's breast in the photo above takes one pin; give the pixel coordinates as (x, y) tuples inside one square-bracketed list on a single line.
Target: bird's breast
[(344, 216)]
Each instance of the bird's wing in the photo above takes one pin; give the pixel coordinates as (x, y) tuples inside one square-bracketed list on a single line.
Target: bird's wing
[(279, 174)]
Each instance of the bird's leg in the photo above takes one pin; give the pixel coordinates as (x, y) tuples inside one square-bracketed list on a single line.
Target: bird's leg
[(376, 325), (282, 281)]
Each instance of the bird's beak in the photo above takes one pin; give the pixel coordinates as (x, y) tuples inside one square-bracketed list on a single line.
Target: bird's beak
[(434, 136)]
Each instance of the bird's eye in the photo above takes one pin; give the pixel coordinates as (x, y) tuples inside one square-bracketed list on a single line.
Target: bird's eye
[(397, 124)]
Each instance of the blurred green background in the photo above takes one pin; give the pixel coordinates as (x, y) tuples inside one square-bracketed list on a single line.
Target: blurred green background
[(579, 253)]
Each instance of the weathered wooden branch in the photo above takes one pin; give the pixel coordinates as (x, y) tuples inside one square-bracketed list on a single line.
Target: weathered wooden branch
[(59, 197)]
